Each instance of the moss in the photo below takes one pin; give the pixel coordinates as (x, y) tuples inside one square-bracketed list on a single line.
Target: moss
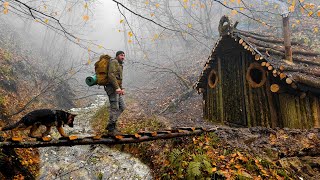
[(151, 123), (283, 173), (251, 166), (266, 163), (241, 177), (100, 119), (100, 176), (7, 56), (2, 100), (6, 71)]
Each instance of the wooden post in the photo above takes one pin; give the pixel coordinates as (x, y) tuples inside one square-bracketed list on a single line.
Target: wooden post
[(287, 37)]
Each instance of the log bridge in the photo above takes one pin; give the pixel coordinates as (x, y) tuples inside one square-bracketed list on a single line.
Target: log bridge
[(16, 142)]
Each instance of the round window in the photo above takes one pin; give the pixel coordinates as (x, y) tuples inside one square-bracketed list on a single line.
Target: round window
[(212, 79), (256, 75)]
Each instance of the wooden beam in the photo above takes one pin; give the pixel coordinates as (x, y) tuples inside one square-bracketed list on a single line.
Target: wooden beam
[(287, 38)]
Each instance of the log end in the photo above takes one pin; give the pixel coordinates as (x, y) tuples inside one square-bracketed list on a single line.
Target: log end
[(136, 135), (274, 88), (289, 81), (16, 139), (73, 137), (46, 138), (119, 137), (97, 137)]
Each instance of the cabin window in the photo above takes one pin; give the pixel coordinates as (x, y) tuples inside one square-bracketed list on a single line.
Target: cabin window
[(256, 75), (212, 79)]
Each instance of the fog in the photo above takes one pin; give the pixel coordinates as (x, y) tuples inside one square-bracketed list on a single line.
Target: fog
[(57, 53), (163, 40)]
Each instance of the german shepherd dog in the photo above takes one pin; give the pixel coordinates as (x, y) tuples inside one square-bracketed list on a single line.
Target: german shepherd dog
[(46, 117)]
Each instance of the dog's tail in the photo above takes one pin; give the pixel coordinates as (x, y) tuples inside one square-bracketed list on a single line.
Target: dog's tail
[(10, 127)]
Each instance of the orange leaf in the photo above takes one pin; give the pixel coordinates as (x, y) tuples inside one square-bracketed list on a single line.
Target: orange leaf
[(234, 12), (6, 4), (318, 13), (5, 11), (291, 8), (85, 17), (222, 157)]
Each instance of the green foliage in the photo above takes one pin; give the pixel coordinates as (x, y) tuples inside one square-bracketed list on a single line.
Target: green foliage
[(100, 119), (7, 56), (241, 177), (151, 123), (283, 173), (251, 166), (193, 170), (2, 100), (175, 156), (189, 163), (100, 176), (266, 163), (6, 71)]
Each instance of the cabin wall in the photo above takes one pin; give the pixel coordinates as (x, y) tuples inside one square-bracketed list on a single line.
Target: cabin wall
[(260, 109), (296, 112), (213, 106), (233, 100)]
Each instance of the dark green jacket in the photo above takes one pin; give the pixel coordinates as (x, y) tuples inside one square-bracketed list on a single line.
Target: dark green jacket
[(115, 73)]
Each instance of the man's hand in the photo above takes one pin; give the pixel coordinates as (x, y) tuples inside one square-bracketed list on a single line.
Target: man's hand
[(120, 91)]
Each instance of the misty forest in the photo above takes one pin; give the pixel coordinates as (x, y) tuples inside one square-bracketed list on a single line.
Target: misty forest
[(213, 89)]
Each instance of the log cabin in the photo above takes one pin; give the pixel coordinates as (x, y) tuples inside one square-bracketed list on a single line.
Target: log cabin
[(252, 79)]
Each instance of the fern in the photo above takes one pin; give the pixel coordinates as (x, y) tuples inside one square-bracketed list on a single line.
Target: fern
[(174, 156), (194, 169), (206, 166), (199, 157)]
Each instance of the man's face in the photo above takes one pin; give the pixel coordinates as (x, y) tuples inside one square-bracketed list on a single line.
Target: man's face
[(121, 57)]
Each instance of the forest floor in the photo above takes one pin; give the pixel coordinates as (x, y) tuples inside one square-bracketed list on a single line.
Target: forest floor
[(226, 153)]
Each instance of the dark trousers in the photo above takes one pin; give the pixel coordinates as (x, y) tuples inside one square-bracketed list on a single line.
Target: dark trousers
[(117, 106)]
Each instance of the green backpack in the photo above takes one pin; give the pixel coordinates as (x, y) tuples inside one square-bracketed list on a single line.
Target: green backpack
[(101, 68)]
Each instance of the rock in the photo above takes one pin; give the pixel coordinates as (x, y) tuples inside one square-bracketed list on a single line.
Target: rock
[(89, 162)]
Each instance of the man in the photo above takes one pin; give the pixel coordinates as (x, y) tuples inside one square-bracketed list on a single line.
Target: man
[(115, 92)]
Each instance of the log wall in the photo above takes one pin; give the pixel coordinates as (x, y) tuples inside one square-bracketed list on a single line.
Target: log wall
[(233, 101)]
